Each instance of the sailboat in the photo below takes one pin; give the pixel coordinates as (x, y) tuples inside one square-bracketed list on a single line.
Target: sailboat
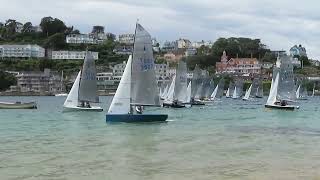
[(301, 93), (84, 89), (313, 90), (165, 92), (259, 88), (228, 93), (178, 93), (248, 93), (214, 93), (282, 86), (61, 88), (235, 94), (138, 85), (196, 87)]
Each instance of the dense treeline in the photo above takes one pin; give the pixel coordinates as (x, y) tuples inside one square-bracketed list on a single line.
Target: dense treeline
[(6, 80)]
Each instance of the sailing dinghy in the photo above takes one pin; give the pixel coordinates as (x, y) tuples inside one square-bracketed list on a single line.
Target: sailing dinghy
[(84, 89), (248, 93), (282, 86), (138, 86)]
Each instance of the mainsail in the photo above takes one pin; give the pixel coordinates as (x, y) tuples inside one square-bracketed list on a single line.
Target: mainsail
[(196, 81), (181, 82), (286, 89), (88, 81), (144, 89)]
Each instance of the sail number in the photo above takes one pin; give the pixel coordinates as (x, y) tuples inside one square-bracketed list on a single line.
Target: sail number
[(146, 64), (89, 76)]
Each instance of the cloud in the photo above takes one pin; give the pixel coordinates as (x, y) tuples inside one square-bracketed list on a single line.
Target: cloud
[(280, 24)]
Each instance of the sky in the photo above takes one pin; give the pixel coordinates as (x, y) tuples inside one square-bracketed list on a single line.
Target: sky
[(279, 24)]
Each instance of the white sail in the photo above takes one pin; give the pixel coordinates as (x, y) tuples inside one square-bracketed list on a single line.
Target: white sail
[(72, 99), (165, 92), (88, 81), (181, 82), (188, 97), (235, 96), (298, 92), (121, 101), (313, 90), (248, 92), (144, 88), (169, 98), (273, 91), (214, 93), (228, 93)]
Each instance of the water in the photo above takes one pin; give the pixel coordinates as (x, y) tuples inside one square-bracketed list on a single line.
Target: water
[(231, 139)]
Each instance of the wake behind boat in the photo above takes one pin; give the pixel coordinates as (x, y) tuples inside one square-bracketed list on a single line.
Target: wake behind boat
[(18, 105), (138, 86), (84, 89)]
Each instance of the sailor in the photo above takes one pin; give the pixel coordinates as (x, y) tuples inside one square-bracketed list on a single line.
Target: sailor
[(283, 103), (139, 109)]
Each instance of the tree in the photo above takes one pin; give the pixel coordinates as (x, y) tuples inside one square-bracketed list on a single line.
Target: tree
[(10, 26), (56, 41), (305, 61), (97, 29), (52, 26), (27, 27), (76, 31), (6, 80)]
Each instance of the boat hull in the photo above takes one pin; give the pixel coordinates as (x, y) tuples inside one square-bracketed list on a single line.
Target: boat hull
[(134, 118), (288, 107), (30, 105), (197, 103), (93, 108), (173, 105)]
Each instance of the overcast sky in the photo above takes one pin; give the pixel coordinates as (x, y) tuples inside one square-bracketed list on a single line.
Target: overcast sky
[(279, 24)]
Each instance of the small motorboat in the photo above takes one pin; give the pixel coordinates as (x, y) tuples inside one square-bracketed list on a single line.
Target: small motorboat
[(18, 105)]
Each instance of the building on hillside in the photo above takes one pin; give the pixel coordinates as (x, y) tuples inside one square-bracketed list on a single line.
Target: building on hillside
[(19, 27), (21, 51), (202, 43), (278, 53), (298, 51), (190, 52), (238, 65), (39, 82), (126, 39), (124, 49), (173, 56), (183, 43), (315, 62), (169, 46), (81, 39), (72, 55)]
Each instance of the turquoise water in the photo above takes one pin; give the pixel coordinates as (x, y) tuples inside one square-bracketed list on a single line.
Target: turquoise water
[(230, 139)]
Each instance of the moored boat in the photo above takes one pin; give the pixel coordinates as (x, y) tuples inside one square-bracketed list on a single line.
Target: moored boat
[(18, 105)]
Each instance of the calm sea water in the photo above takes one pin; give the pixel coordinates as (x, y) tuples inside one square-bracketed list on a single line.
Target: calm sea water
[(230, 139)]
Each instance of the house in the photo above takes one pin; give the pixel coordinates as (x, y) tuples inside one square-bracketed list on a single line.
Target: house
[(169, 46), (39, 82), (173, 56), (72, 55), (183, 43), (298, 51), (21, 51), (81, 39), (238, 65), (126, 39)]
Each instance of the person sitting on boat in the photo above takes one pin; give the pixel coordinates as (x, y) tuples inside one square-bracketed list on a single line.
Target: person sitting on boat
[(88, 105), (283, 103), (139, 109), (82, 104)]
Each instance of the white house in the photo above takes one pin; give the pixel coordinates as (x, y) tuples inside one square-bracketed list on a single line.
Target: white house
[(126, 38), (21, 51), (72, 55), (81, 39)]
